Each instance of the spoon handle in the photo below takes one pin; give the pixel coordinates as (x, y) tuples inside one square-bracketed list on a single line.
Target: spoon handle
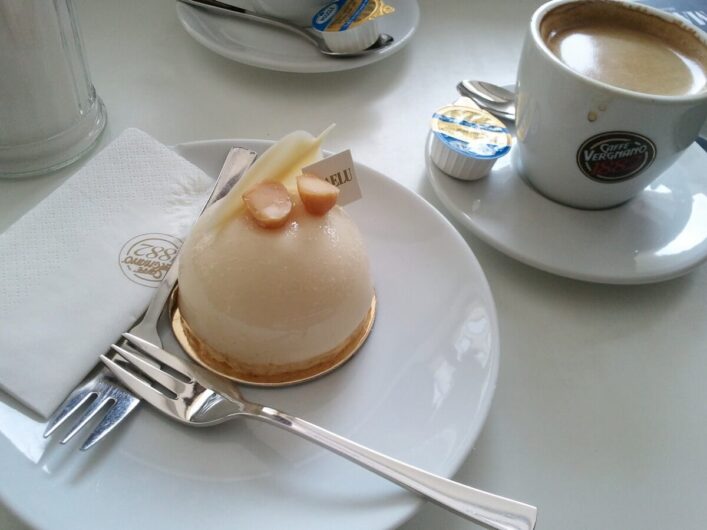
[(486, 509), (227, 9), (505, 111)]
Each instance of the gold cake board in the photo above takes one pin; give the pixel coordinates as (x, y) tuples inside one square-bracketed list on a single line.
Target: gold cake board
[(204, 355)]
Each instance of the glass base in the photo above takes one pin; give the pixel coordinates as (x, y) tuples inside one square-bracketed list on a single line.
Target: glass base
[(48, 155)]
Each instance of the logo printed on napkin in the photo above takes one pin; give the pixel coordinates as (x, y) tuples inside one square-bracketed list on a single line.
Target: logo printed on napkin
[(145, 259)]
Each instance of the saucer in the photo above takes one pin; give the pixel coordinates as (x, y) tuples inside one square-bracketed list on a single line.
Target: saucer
[(266, 47), (658, 235)]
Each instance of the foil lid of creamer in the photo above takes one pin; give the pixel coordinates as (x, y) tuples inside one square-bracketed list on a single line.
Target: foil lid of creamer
[(341, 15), (471, 132)]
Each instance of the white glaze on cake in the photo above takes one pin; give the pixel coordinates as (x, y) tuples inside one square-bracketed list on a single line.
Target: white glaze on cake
[(275, 299)]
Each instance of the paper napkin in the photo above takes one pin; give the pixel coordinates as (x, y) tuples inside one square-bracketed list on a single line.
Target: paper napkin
[(79, 269)]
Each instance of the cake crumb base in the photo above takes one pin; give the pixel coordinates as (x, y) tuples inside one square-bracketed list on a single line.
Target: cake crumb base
[(269, 375)]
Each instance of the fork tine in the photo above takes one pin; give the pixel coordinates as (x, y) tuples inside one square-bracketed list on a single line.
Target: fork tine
[(67, 409), (140, 387), (113, 417), (153, 372), (162, 356), (95, 407)]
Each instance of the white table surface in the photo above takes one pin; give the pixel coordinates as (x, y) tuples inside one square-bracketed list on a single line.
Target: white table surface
[(600, 416)]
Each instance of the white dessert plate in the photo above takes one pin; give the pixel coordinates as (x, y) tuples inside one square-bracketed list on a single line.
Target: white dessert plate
[(659, 235), (419, 390), (274, 49)]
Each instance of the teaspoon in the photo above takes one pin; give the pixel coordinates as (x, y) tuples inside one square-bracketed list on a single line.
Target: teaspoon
[(497, 100), (311, 35)]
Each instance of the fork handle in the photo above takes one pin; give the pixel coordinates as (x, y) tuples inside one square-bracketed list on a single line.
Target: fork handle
[(486, 509)]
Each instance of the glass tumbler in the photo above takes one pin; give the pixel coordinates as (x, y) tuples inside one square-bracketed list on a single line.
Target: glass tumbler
[(50, 114)]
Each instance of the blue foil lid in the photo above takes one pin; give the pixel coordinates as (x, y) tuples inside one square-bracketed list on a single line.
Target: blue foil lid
[(326, 18), (471, 132)]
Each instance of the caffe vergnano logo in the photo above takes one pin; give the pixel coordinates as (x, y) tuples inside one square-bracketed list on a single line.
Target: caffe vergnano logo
[(615, 156)]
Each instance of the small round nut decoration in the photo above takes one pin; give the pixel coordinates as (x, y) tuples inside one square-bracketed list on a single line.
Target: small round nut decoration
[(318, 196), (269, 203)]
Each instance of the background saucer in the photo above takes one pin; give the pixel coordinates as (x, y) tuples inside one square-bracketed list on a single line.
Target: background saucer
[(660, 234), (267, 47)]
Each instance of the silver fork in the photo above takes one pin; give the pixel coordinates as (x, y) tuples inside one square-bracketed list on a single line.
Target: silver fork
[(100, 391), (199, 398)]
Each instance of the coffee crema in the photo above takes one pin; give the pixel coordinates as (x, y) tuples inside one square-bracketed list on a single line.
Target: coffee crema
[(627, 47)]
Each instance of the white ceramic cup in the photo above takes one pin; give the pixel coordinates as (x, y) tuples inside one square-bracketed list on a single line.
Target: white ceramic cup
[(297, 11), (565, 120)]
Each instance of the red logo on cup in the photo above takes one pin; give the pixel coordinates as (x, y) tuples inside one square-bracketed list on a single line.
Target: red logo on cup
[(615, 156)]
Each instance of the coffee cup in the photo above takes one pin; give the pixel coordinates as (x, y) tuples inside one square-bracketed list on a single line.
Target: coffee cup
[(609, 94), (298, 12)]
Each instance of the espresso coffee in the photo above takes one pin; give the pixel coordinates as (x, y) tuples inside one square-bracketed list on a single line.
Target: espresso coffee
[(627, 47)]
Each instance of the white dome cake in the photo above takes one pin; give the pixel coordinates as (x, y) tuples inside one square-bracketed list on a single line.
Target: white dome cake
[(276, 302)]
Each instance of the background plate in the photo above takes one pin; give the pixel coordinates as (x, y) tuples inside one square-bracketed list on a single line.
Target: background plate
[(274, 49)]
